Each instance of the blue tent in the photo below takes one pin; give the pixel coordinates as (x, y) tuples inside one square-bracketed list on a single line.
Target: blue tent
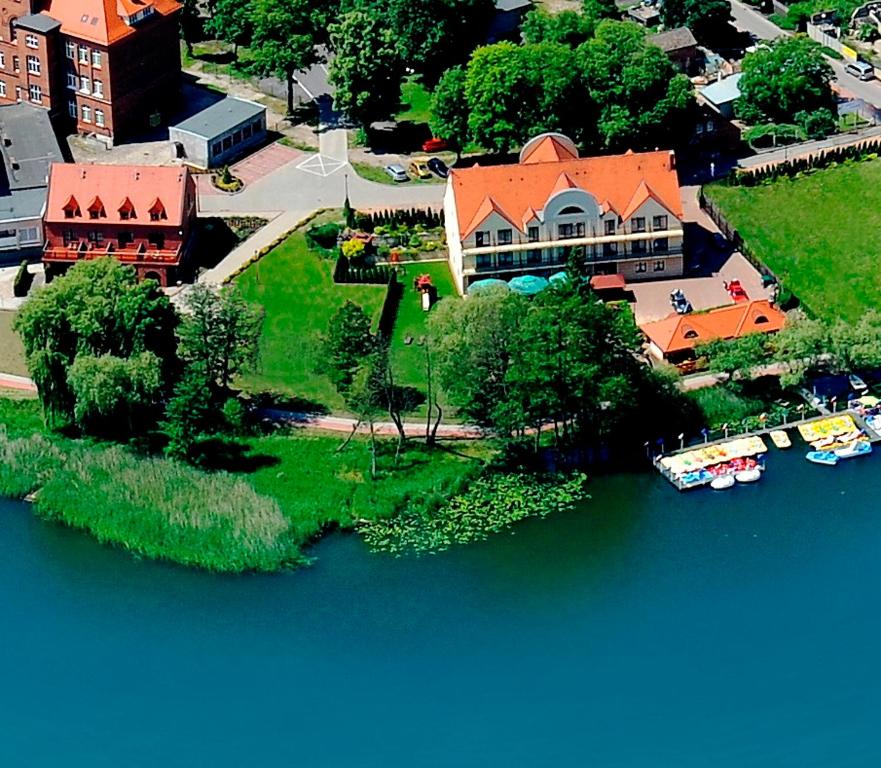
[(528, 285), (481, 285), (558, 277)]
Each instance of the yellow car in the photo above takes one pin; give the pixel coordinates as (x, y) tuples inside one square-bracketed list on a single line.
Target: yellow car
[(419, 169)]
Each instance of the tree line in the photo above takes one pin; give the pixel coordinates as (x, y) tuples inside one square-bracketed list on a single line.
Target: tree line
[(112, 358)]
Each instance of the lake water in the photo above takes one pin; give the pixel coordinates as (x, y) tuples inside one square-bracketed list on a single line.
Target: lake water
[(649, 628)]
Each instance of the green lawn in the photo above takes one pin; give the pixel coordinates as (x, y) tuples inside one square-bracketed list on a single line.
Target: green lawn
[(820, 234), (11, 350), (409, 359), (415, 101), (377, 173), (296, 288)]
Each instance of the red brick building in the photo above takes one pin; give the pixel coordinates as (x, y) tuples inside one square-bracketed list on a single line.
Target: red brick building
[(107, 67), (140, 215)]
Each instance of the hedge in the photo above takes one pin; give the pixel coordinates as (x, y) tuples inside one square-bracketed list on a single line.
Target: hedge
[(23, 281), (344, 272), (390, 304)]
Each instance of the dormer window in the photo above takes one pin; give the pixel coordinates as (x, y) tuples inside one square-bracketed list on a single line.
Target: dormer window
[(761, 320), (157, 211), (96, 209), (690, 334), (71, 208), (127, 210)]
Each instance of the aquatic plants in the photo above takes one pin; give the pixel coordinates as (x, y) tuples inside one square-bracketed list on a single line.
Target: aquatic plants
[(492, 504)]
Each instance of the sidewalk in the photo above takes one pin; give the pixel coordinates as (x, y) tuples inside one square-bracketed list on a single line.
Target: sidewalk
[(20, 383)]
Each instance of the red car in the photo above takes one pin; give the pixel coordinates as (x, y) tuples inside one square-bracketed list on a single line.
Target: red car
[(434, 145), (736, 292)]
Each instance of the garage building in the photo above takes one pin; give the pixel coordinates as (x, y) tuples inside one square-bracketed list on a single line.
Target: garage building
[(220, 134)]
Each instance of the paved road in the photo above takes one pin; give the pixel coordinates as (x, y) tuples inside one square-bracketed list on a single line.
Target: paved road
[(747, 19), (807, 148)]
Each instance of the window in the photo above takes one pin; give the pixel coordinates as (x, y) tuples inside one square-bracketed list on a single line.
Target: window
[(71, 108), (99, 117), (32, 41), (227, 143), (506, 260), (33, 65), (533, 234), (216, 148), (504, 236), (72, 80), (16, 65), (84, 55), (484, 261), (659, 223), (579, 229), (98, 88), (70, 49), (2, 87), (659, 266), (237, 137), (533, 256), (157, 240), (641, 266), (610, 227), (481, 239), (68, 236), (246, 132), (2, 60), (85, 84), (760, 320), (96, 237), (13, 30), (610, 249), (96, 58), (124, 239), (87, 113), (566, 230), (36, 94), (570, 209), (660, 245), (638, 246), (28, 235), (637, 224), (690, 334)]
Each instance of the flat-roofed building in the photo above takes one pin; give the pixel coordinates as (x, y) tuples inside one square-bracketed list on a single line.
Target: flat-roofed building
[(219, 134)]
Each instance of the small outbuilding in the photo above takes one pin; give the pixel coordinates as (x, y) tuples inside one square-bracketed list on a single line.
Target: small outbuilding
[(220, 134), (722, 95), (681, 48)]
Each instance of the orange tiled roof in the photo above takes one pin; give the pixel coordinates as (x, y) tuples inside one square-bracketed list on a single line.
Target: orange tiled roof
[(137, 189), (550, 149), (678, 333), (101, 21), (620, 182)]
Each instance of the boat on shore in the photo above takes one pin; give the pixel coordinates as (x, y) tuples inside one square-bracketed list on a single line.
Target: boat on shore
[(856, 448), (748, 475), (722, 482), (780, 438), (822, 457)]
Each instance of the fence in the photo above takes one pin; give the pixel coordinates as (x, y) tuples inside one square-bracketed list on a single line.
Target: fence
[(733, 236)]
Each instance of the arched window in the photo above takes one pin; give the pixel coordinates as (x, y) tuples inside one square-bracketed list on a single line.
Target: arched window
[(570, 209), (760, 320), (690, 334)]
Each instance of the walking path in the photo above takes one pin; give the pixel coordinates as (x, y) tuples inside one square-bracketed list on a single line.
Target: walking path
[(21, 383), (803, 149)]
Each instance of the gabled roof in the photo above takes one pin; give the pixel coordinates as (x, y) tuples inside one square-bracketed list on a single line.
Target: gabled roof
[(140, 185), (103, 21), (722, 91), (487, 206), (673, 39), (678, 333), (614, 181), (643, 193)]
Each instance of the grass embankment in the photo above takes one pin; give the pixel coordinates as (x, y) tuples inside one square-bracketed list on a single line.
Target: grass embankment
[(740, 404), (295, 287), (286, 490), (820, 234), (11, 349)]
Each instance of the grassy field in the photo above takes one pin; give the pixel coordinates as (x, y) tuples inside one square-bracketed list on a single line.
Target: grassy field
[(820, 234), (415, 101), (296, 288), (11, 350), (281, 491), (377, 173)]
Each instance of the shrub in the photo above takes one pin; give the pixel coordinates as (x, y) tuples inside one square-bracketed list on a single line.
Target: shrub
[(23, 281), (353, 248), (323, 236)]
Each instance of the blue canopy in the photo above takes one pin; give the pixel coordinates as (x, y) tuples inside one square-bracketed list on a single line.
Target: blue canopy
[(481, 285), (558, 277), (528, 285)]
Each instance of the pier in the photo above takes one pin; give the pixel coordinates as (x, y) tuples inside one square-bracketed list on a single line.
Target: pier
[(738, 439)]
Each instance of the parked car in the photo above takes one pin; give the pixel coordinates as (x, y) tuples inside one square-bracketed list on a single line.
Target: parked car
[(419, 169), (439, 167), (736, 291), (397, 172), (434, 145), (680, 303)]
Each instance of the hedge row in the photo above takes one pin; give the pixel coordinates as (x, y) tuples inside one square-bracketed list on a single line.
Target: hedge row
[(390, 305), (344, 272), (398, 217)]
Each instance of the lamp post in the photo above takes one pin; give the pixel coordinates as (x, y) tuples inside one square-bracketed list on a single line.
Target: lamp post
[(681, 440), (833, 401), (725, 430)]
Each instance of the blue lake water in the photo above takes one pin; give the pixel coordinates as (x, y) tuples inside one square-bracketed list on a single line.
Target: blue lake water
[(649, 628)]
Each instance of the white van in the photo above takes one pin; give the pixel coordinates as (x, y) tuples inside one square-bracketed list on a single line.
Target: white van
[(860, 69)]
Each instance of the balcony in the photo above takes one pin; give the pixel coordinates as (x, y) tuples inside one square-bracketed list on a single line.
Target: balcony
[(142, 253), (553, 257)]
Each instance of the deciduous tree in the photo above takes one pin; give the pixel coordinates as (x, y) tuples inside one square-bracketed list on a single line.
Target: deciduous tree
[(707, 19), (449, 108), (232, 21)]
